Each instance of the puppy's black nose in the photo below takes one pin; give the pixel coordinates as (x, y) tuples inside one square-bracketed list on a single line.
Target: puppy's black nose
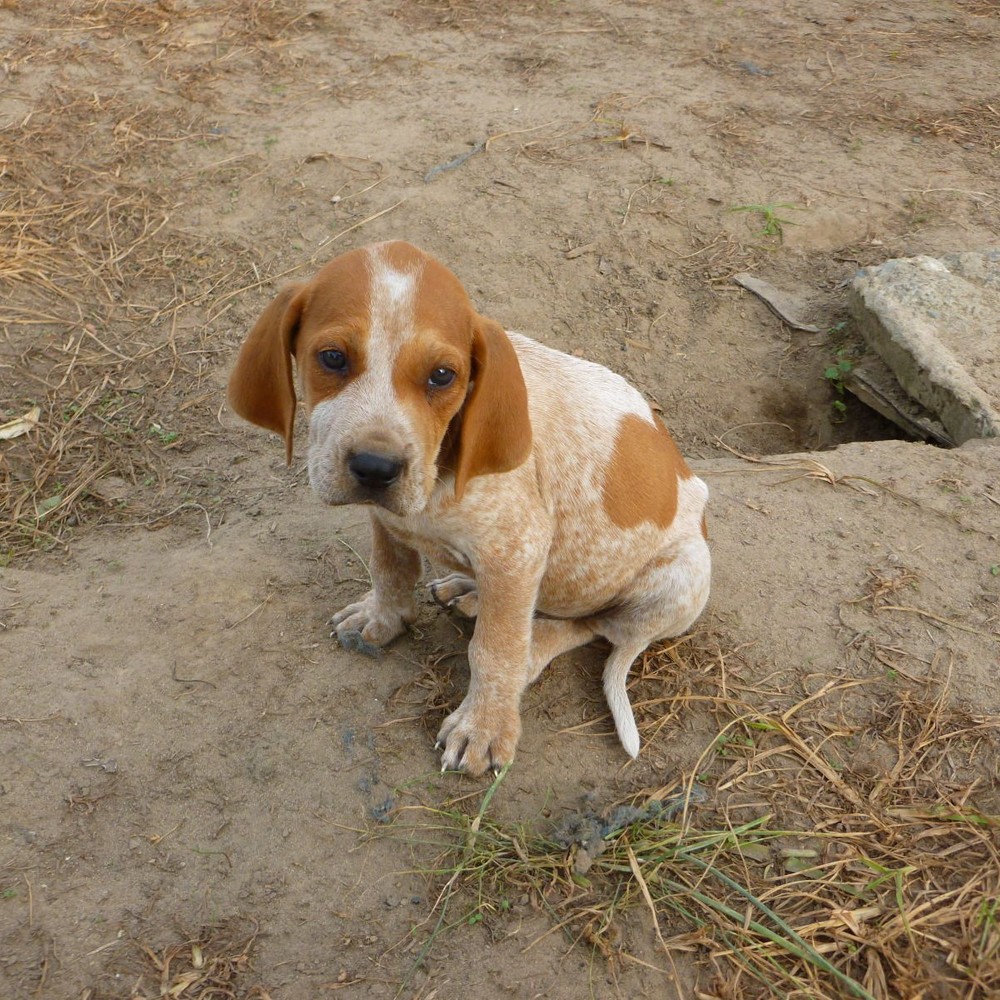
[(374, 471)]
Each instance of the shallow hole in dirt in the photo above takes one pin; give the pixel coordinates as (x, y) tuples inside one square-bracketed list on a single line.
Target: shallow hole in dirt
[(808, 416), (848, 419)]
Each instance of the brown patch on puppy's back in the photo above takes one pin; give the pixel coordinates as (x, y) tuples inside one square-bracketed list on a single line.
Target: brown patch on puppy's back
[(640, 481)]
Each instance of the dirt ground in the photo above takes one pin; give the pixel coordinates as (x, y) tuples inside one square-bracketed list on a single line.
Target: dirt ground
[(200, 791)]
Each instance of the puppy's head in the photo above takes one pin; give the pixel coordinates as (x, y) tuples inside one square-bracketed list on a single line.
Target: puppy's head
[(402, 381)]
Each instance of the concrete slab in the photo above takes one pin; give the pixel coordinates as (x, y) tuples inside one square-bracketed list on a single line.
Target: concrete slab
[(936, 324)]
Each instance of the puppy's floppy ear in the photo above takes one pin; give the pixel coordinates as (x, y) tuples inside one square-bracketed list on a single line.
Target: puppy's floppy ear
[(261, 386), (495, 433)]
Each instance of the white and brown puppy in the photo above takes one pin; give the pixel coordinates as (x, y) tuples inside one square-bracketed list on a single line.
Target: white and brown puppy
[(544, 483)]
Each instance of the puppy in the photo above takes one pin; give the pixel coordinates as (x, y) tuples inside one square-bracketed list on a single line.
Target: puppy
[(544, 483)]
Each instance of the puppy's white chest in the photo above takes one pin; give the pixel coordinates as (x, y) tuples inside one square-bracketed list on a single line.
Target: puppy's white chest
[(428, 540)]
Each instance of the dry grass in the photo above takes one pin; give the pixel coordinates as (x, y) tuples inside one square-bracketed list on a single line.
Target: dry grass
[(812, 851), (974, 126), (981, 8), (107, 306), (472, 15), (95, 285), (213, 962), (883, 584), (252, 37), (241, 25), (715, 259), (430, 695)]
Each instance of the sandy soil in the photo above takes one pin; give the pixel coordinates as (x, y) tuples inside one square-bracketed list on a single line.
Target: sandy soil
[(187, 756)]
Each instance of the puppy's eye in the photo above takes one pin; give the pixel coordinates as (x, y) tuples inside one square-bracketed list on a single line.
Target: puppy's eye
[(440, 378), (333, 361)]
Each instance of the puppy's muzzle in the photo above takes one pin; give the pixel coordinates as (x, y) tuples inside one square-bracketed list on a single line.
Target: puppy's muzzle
[(373, 471)]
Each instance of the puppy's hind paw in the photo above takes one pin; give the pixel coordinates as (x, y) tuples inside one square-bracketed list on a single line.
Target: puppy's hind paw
[(456, 592)]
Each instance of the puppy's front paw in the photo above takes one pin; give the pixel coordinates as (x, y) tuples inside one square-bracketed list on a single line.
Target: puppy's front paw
[(366, 625), (477, 737)]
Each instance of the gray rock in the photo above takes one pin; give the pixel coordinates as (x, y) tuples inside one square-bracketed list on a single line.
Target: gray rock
[(936, 324)]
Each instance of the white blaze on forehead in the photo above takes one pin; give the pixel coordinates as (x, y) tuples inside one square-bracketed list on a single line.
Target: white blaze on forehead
[(399, 287), (391, 302), (369, 402)]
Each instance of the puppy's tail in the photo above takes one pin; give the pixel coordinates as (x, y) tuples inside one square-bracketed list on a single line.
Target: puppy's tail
[(615, 674)]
